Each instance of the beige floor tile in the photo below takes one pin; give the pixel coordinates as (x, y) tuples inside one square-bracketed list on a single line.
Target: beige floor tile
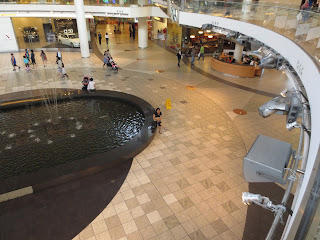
[(120, 207), (142, 222), (99, 227), (137, 212), (178, 232), (170, 198), (113, 222), (160, 227), (117, 233), (125, 217), (154, 217), (135, 236), (148, 232), (130, 227), (103, 236)]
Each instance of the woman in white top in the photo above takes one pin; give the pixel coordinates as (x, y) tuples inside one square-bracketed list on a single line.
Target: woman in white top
[(107, 38), (91, 85)]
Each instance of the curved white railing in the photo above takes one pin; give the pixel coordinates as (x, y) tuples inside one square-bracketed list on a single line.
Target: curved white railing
[(309, 73)]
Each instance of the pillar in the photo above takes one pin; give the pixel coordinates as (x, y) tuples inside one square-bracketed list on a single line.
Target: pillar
[(143, 32), (246, 9), (82, 28), (169, 11), (238, 52), (121, 2)]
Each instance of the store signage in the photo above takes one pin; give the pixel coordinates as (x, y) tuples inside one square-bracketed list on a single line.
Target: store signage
[(67, 31), (215, 23), (175, 14), (118, 12)]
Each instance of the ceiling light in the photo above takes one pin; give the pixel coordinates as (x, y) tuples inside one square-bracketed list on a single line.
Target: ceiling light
[(192, 36), (200, 32), (210, 36)]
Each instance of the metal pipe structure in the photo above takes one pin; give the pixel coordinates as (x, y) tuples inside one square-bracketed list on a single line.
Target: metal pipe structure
[(292, 179)]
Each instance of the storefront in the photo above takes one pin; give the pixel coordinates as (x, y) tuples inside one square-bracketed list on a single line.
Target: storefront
[(159, 28), (35, 33), (212, 42), (174, 35)]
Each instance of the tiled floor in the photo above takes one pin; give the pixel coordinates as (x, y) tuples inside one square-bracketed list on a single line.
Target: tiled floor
[(187, 183)]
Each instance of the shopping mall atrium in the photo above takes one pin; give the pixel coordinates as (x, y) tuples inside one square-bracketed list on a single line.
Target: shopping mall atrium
[(159, 119)]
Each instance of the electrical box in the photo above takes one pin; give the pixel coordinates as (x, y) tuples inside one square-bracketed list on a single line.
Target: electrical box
[(266, 160)]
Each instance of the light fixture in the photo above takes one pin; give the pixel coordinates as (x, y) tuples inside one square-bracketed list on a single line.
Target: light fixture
[(210, 36), (192, 36), (200, 32), (208, 31)]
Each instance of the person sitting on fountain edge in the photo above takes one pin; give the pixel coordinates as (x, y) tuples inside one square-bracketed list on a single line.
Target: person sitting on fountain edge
[(91, 85)]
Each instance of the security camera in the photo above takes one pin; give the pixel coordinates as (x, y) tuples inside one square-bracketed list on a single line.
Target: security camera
[(278, 105)]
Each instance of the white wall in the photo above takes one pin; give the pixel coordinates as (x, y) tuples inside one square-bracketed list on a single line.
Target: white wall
[(8, 41), (309, 73)]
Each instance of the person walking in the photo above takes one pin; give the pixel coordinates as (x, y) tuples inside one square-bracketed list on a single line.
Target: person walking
[(14, 62), (201, 53), (100, 37), (107, 38), (33, 59), (59, 62), (64, 72), (59, 54), (105, 58), (179, 56), (193, 56), (43, 57)]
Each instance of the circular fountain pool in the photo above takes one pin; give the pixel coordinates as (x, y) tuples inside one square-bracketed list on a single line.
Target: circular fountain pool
[(41, 136)]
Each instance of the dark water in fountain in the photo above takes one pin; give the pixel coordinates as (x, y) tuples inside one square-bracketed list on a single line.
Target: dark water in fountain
[(30, 142)]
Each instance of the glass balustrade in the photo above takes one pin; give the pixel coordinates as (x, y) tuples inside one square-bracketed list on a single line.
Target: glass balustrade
[(301, 26)]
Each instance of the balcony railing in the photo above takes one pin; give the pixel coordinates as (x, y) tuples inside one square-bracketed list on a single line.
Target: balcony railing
[(301, 26)]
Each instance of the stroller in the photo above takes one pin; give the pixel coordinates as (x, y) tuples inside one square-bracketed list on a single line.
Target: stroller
[(85, 83), (113, 66)]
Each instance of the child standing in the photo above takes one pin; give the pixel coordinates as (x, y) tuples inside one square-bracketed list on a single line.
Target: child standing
[(26, 62), (14, 62), (64, 72)]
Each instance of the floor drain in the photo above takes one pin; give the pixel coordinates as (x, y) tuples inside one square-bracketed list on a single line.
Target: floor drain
[(240, 111)]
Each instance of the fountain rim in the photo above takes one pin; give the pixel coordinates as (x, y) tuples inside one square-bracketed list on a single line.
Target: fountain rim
[(66, 172)]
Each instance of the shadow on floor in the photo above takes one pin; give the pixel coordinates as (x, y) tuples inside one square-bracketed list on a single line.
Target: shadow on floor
[(259, 220), (63, 211)]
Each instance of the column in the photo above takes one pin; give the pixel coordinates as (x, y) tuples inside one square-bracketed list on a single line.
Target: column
[(169, 11), (246, 9), (121, 2), (82, 28), (143, 32), (238, 52)]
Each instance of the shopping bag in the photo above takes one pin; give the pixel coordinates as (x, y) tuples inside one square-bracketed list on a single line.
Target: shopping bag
[(299, 16)]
